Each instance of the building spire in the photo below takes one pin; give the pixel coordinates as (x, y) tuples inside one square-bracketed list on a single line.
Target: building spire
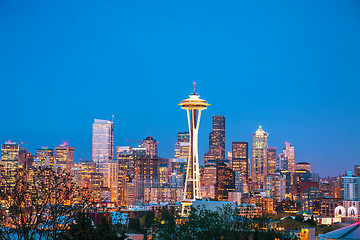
[(194, 83)]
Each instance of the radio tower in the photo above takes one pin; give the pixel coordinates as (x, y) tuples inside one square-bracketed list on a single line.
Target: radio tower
[(193, 106)]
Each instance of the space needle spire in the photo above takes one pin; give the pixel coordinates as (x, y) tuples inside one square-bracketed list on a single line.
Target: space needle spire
[(193, 106)]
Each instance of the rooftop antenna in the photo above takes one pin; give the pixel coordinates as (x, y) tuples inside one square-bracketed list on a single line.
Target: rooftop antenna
[(194, 83), (112, 119)]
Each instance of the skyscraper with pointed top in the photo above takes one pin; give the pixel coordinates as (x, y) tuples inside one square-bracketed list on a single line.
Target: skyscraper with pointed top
[(193, 106), (259, 163)]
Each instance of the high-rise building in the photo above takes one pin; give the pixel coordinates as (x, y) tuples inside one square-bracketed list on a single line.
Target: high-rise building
[(147, 174), (350, 187), (151, 147), (225, 181), (103, 147), (216, 140), (9, 161), (259, 162), (193, 105), (183, 137), (271, 158), (9, 151), (289, 152), (64, 156), (276, 186), (239, 161), (282, 162), (303, 166), (183, 145), (87, 168), (208, 175), (46, 156)]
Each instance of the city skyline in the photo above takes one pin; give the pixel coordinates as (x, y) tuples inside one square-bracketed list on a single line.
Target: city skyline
[(255, 62)]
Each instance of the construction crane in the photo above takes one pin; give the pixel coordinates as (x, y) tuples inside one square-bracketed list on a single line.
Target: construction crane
[(138, 141), (21, 143)]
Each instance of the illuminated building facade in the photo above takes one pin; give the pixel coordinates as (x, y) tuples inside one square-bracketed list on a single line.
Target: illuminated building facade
[(163, 174), (9, 161), (64, 156), (163, 194), (271, 158), (276, 186), (208, 175), (96, 181), (239, 161), (182, 146), (46, 156), (146, 175), (289, 152), (259, 162), (350, 187), (282, 162), (127, 159), (9, 151), (303, 166), (225, 181), (103, 147), (151, 147), (216, 140), (193, 106)]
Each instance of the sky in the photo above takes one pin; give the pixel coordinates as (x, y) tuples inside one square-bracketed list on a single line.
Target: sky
[(291, 66)]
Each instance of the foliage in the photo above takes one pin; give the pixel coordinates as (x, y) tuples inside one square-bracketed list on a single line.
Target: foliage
[(149, 219), (37, 204), (206, 224), (82, 228), (134, 224)]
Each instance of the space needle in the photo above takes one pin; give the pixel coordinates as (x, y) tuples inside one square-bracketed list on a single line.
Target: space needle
[(193, 106)]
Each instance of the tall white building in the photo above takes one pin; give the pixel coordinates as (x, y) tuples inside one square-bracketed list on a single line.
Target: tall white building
[(103, 147), (289, 152), (259, 163)]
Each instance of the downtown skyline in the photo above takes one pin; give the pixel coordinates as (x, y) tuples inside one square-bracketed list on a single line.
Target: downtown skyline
[(298, 79)]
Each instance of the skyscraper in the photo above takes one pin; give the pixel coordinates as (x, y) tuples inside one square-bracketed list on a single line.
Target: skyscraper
[(151, 147), (216, 140), (103, 147), (271, 158), (9, 151), (46, 156), (225, 181), (147, 175), (64, 156), (9, 161), (289, 152), (193, 106), (240, 158), (183, 145), (259, 162)]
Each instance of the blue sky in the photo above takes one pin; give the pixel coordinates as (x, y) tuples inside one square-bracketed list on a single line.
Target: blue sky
[(291, 66)]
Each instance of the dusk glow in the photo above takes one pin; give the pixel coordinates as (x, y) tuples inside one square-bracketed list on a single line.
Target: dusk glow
[(84, 77)]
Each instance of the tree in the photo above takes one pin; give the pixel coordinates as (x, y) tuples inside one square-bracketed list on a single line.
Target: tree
[(105, 230), (82, 228), (37, 203), (149, 219), (134, 224)]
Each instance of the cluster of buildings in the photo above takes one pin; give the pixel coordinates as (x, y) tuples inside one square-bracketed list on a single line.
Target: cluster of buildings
[(251, 174)]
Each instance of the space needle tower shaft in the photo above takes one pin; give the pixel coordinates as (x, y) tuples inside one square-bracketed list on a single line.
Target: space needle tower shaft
[(193, 106)]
